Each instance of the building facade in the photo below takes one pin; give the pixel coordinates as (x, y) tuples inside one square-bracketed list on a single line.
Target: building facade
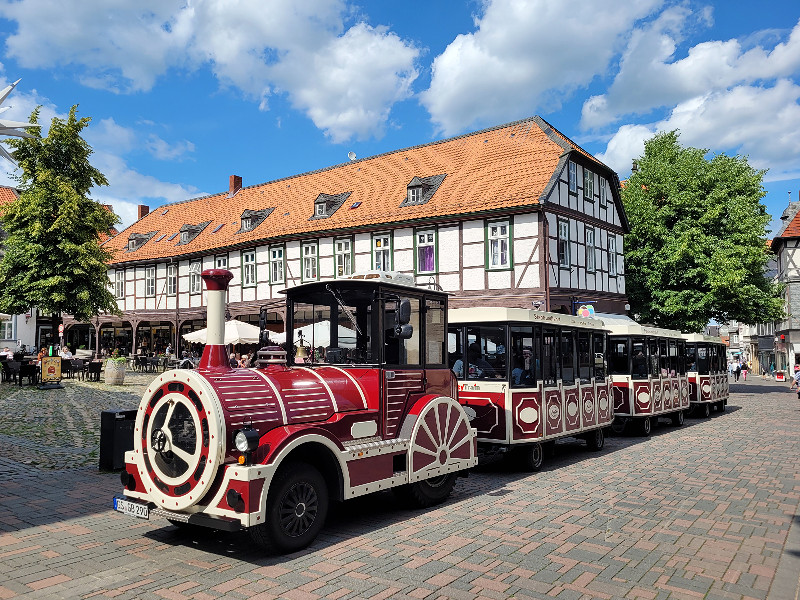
[(517, 215)]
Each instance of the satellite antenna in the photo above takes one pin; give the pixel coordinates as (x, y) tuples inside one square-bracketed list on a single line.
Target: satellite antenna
[(351, 155)]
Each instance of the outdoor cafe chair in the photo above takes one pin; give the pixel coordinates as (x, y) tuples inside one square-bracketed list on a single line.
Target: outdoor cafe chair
[(93, 370), (77, 366), (11, 370), (29, 370)]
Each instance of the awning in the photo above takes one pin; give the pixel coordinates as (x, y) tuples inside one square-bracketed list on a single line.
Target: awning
[(796, 348)]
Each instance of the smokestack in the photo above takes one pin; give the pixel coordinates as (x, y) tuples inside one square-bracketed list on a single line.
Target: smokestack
[(142, 211), (215, 356), (234, 185)]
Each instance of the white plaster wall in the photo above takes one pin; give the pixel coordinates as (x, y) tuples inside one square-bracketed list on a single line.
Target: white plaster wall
[(449, 249), (473, 231), (526, 225), (473, 279), (524, 250), (403, 239), (404, 260), (527, 278), (499, 280), (450, 282)]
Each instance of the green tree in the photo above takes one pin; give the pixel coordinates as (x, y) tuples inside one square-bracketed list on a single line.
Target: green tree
[(53, 259), (697, 250)]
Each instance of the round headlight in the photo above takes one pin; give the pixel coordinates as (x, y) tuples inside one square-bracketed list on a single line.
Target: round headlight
[(241, 441)]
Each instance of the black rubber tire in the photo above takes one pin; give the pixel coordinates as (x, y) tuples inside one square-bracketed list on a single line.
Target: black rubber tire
[(296, 487), (618, 425), (645, 426), (530, 457), (677, 418), (427, 492), (721, 406), (595, 440), (706, 410)]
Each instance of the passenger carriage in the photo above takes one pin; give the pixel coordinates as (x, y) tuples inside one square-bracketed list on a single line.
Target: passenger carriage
[(706, 358), (528, 377), (363, 402), (648, 374)]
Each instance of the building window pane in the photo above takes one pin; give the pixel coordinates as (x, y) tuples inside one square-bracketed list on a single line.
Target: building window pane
[(498, 234), (573, 177), (309, 262), (195, 284), (602, 192), (276, 265), (382, 252), (588, 184), (150, 281), (119, 284), (172, 280), (590, 250), (6, 330), (249, 267), (426, 251), (342, 249), (414, 195), (221, 262), (612, 255), (563, 244)]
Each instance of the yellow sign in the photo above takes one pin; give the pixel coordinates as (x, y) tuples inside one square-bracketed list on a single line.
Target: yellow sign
[(51, 369)]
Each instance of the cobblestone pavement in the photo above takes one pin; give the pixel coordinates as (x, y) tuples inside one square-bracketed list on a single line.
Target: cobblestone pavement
[(701, 511)]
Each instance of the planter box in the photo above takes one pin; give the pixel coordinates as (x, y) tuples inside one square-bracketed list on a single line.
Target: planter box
[(115, 372)]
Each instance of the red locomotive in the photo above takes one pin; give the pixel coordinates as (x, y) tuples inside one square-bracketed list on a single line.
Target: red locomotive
[(365, 403)]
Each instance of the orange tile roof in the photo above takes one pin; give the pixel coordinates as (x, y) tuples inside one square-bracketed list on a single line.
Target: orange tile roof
[(7, 194), (792, 229), (501, 168)]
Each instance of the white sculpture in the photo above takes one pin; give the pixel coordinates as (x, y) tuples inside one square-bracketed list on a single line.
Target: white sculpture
[(11, 128)]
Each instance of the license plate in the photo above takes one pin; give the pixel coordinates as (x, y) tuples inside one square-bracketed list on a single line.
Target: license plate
[(134, 509)]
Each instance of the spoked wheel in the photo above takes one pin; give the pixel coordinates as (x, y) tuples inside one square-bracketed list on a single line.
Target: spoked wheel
[(645, 426), (677, 418), (531, 457), (595, 440), (296, 509), (428, 492)]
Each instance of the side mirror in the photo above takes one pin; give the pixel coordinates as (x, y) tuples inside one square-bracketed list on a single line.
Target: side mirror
[(404, 312), (404, 332)]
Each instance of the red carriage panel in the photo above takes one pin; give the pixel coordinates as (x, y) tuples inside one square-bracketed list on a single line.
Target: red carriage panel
[(572, 410), (622, 397), (555, 412), (589, 407), (642, 398), (490, 412), (604, 414), (657, 403), (706, 389), (684, 391), (528, 417)]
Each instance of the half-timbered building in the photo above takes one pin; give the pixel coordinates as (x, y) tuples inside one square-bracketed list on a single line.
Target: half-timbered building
[(517, 215)]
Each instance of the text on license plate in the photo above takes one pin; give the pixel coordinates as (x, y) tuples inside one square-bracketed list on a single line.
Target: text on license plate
[(134, 509)]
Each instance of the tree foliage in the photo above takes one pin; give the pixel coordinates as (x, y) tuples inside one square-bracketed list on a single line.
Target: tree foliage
[(53, 259), (697, 248)]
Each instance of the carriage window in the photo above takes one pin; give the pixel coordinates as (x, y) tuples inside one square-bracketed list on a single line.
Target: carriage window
[(682, 357), (702, 359), (568, 356), (673, 358), (399, 351), (455, 351), (524, 359), (486, 353), (619, 356), (599, 354), (663, 358), (434, 332), (550, 364), (585, 358), (652, 347), (691, 358), (639, 361)]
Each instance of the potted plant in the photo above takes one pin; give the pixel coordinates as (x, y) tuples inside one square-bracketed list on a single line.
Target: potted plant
[(115, 369)]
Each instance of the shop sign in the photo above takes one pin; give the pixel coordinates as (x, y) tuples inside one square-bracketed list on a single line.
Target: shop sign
[(51, 369)]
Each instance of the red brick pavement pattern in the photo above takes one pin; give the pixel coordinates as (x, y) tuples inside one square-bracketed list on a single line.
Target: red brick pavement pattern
[(701, 511)]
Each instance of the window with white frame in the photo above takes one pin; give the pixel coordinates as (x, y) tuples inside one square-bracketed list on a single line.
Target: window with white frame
[(414, 194), (119, 284), (184, 237), (588, 184), (6, 330), (149, 281), (172, 280), (309, 253), (590, 250), (426, 251), (221, 261), (382, 252), (246, 224), (572, 177), (343, 250), (249, 268), (498, 235), (602, 191), (563, 244), (195, 283), (276, 270), (319, 209), (612, 255)]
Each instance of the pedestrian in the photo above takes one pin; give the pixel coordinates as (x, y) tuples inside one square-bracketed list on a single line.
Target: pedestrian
[(744, 370), (796, 383), (737, 370)]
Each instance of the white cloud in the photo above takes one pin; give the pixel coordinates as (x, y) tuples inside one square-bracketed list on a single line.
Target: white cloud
[(526, 55), (299, 48), (650, 78), (761, 123), (165, 151)]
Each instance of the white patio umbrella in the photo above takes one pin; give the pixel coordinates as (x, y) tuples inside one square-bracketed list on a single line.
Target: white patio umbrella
[(4, 316), (236, 332), (319, 334)]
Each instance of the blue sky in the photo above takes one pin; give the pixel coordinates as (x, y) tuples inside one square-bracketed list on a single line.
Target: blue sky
[(184, 93)]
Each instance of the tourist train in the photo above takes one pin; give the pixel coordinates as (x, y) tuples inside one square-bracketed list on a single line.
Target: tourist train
[(384, 388)]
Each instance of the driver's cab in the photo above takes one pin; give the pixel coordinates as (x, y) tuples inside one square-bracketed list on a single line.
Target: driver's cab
[(375, 320)]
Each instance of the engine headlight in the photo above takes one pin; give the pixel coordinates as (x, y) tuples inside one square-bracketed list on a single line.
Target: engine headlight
[(246, 440)]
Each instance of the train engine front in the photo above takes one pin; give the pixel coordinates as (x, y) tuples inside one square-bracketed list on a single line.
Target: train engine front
[(363, 402)]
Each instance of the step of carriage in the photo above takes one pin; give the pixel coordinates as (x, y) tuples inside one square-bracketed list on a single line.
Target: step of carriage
[(376, 445)]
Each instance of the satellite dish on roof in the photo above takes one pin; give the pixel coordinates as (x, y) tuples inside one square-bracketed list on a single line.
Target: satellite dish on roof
[(351, 155)]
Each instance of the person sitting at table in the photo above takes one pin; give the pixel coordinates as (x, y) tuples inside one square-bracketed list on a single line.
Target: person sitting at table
[(7, 353), (65, 353), (41, 355)]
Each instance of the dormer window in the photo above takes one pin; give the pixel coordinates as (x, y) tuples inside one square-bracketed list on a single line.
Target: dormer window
[(131, 244), (421, 189), (247, 223), (137, 240), (184, 237), (189, 232), (327, 204), (251, 219)]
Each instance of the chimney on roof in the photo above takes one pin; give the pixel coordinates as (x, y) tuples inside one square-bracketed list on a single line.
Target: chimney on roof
[(234, 185), (142, 210)]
